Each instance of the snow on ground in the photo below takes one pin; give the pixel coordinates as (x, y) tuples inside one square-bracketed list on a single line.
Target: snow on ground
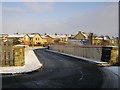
[(31, 64)]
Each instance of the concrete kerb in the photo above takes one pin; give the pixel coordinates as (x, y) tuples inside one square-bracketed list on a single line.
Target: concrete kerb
[(78, 57), (33, 69)]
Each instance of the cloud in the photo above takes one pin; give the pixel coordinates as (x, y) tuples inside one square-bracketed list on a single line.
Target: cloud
[(12, 10), (39, 7), (29, 7), (104, 21)]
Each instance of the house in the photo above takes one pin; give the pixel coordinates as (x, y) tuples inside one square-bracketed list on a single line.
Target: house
[(37, 39), (52, 38), (81, 35), (23, 38), (81, 38), (3, 36), (65, 37), (97, 41), (101, 40), (114, 41)]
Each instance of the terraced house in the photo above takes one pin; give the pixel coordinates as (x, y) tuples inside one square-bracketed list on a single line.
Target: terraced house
[(80, 38), (23, 38), (37, 39), (52, 38)]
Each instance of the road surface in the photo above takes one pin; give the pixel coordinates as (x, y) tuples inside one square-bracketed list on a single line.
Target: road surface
[(62, 72)]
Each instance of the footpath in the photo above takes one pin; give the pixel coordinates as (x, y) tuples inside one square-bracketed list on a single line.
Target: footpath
[(31, 64)]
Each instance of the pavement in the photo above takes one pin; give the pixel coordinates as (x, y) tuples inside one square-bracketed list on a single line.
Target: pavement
[(31, 64)]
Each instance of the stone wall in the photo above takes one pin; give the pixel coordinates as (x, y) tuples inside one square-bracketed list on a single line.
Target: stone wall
[(87, 51), (12, 55), (95, 52)]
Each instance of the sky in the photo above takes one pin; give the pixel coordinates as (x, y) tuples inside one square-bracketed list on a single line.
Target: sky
[(101, 18)]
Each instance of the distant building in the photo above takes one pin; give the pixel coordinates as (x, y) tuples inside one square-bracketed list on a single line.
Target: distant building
[(37, 39), (101, 40), (3, 36), (81, 35), (80, 38), (23, 38), (114, 41), (52, 38)]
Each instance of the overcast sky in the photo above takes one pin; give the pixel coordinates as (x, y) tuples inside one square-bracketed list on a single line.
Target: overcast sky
[(100, 18)]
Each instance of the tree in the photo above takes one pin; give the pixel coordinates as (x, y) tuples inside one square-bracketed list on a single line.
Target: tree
[(16, 41), (55, 33)]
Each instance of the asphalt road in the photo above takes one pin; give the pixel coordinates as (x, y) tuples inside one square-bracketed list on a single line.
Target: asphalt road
[(62, 72)]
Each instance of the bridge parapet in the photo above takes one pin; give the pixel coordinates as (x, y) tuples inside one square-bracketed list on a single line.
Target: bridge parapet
[(94, 52)]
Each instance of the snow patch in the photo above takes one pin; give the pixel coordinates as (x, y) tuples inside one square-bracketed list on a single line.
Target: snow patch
[(114, 69), (31, 64)]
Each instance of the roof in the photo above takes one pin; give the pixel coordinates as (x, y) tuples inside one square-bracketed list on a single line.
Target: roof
[(85, 34), (98, 38), (59, 36), (43, 37), (16, 35), (104, 37), (55, 36), (31, 36), (1, 35)]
